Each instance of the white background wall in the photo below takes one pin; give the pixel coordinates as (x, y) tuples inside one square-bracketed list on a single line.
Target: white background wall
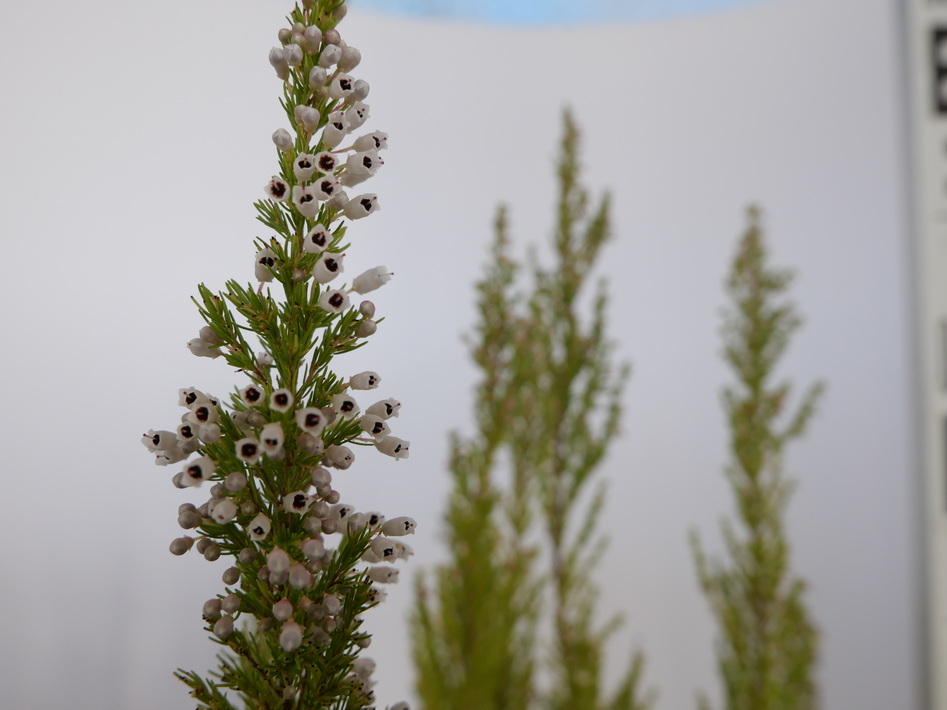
[(135, 138)]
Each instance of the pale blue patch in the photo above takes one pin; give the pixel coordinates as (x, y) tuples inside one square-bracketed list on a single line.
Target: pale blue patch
[(546, 12)]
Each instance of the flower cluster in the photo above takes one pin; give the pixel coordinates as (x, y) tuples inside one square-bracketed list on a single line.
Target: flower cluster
[(270, 452)]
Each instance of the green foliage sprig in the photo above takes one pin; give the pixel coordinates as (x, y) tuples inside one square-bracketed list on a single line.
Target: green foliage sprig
[(549, 400), (289, 620), (767, 647)]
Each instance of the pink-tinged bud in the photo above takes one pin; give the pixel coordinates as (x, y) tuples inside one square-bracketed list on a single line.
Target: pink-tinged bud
[(277, 560), (291, 637), (279, 63)]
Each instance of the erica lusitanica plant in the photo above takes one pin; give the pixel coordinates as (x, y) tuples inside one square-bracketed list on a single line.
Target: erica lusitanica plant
[(522, 556), (302, 565), (767, 644)]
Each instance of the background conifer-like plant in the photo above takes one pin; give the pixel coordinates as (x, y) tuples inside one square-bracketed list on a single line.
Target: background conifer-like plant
[(767, 644), (522, 556)]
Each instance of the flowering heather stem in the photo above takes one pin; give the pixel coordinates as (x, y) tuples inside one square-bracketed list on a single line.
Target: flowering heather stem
[(290, 615)]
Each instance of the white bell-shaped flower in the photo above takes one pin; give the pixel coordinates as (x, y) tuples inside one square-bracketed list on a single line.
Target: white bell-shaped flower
[(248, 449), (377, 141), (326, 162), (259, 527), (311, 420), (252, 395), (281, 400), (283, 609), (403, 551), (279, 63), (297, 502), (304, 166), (397, 527), (345, 405), (357, 114), (367, 380), (293, 54), (340, 457), (202, 413), (366, 162), (271, 439), (307, 117), (384, 547), (334, 301), (361, 206), (188, 395), (375, 519), (316, 240), (328, 267), (306, 200), (198, 471), (277, 189), (393, 446), (386, 408), (263, 267), (325, 187), (159, 440), (209, 336), (330, 56), (283, 140), (223, 511), (336, 129), (372, 279), (201, 349), (383, 574), (363, 667), (163, 458), (374, 425)]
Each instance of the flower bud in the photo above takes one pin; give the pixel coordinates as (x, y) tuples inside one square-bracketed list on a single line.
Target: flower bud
[(393, 446), (365, 329), (299, 577), (201, 349), (363, 667), (236, 481), (308, 117), (231, 604), (350, 58), (371, 280), (223, 627), (282, 609), (211, 608), (321, 476), (317, 78), (209, 433), (279, 63), (332, 37), (180, 545), (360, 90), (212, 552), (283, 140), (312, 38), (331, 497), (189, 519), (277, 560), (330, 525), (313, 548), (230, 576), (258, 528), (291, 637), (331, 54), (284, 35), (248, 554), (293, 54)]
